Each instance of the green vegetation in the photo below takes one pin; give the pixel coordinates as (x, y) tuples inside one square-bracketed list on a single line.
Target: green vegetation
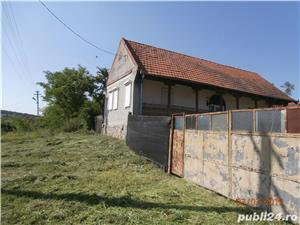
[(75, 178), (74, 98), (20, 123)]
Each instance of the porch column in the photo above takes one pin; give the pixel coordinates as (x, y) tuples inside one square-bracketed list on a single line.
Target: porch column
[(237, 99), (220, 101), (196, 99), (255, 103), (169, 99)]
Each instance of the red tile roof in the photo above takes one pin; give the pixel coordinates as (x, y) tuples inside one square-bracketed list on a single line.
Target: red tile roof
[(164, 63)]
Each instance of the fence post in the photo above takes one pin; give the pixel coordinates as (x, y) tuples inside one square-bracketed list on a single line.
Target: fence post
[(229, 132), (170, 144), (254, 120), (183, 142)]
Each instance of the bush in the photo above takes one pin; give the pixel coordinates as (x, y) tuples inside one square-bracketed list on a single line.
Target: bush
[(20, 124), (7, 126), (73, 124), (26, 123)]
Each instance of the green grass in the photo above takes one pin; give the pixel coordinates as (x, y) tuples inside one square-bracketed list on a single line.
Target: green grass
[(90, 179)]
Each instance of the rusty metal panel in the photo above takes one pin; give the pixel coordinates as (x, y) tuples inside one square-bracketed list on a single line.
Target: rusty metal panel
[(286, 157), (177, 153), (250, 187), (251, 152), (216, 177), (289, 193), (293, 120), (216, 147), (193, 152)]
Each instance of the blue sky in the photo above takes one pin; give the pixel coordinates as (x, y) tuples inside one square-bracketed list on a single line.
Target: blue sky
[(258, 36)]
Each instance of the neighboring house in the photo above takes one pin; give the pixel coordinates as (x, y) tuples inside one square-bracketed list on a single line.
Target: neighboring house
[(146, 80)]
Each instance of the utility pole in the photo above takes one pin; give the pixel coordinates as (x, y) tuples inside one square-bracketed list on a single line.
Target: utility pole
[(37, 100)]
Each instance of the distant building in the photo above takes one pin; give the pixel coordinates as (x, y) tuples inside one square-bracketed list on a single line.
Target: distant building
[(146, 80)]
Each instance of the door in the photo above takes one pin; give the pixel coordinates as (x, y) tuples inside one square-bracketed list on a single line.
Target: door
[(177, 148)]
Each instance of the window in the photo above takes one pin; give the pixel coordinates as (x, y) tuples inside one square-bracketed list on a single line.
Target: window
[(110, 100), (127, 94), (216, 103), (115, 98)]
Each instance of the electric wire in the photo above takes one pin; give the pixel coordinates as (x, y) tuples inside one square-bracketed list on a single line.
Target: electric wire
[(74, 32)]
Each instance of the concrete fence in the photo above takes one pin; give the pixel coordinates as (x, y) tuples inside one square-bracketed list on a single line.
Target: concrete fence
[(245, 155), (149, 137)]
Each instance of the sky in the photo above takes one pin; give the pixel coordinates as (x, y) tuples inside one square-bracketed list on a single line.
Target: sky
[(258, 36)]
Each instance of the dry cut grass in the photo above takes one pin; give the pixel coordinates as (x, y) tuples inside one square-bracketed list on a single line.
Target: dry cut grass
[(91, 179)]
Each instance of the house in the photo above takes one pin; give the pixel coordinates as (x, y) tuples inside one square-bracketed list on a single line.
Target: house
[(146, 80)]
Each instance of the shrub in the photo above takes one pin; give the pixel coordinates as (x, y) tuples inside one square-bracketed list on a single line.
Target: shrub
[(26, 123), (73, 124), (7, 126)]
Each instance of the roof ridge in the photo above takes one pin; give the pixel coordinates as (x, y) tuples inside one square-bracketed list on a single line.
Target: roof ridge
[(194, 57), (201, 70)]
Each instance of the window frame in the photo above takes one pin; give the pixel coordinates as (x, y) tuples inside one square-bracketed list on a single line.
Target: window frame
[(115, 99), (110, 101), (127, 103)]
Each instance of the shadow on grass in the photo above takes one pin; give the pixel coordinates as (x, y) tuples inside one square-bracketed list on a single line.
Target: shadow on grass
[(126, 202)]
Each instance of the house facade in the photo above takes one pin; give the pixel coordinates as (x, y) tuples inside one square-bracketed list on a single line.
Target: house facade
[(145, 80)]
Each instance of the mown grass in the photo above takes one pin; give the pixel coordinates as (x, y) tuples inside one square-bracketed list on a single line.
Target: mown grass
[(73, 178)]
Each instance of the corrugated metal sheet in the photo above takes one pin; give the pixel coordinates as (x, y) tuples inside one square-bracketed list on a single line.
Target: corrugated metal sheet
[(270, 121), (204, 122), (219, 122), (242, 121)]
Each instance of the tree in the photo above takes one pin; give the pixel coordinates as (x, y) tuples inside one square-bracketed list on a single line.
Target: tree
[(73, 96), (288, 88), (100, 81)]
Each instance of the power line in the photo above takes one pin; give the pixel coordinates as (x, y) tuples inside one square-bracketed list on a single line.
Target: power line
[(74, 32), (23, 78), (19, 39), (16, 46)]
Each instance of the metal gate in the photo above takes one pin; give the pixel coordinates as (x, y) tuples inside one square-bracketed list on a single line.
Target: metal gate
[(177, 145)]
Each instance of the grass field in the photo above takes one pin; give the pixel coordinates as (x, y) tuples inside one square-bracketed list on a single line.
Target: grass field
[(91, 179)]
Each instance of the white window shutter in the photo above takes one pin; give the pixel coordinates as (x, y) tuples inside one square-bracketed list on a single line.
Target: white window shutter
[(110, 101), (127, 95), (115, 99)]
